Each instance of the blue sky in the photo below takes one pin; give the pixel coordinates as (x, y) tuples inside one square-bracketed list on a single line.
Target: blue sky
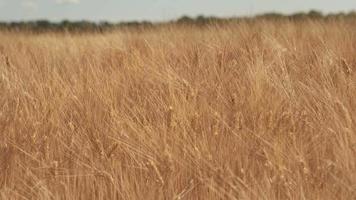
[(156, 10)]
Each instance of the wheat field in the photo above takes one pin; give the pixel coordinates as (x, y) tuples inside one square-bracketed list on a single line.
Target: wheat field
[(251, 110)]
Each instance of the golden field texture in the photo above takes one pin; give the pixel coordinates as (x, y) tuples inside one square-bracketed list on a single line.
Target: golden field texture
[(251, 110)]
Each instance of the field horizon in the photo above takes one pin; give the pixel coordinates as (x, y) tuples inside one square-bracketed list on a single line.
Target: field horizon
[(252, 110)]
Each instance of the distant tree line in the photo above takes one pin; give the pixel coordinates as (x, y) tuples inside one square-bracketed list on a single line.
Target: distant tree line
[(313, 14), (87, 26), (70, 26)]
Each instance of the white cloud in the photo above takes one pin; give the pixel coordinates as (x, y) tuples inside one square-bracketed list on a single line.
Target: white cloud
[(67, 1), (30, 5)]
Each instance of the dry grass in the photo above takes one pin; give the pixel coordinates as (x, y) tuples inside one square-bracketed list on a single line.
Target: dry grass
[(260, 110)]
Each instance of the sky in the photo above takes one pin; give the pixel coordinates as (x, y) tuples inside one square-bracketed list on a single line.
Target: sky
[(156, 10)]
